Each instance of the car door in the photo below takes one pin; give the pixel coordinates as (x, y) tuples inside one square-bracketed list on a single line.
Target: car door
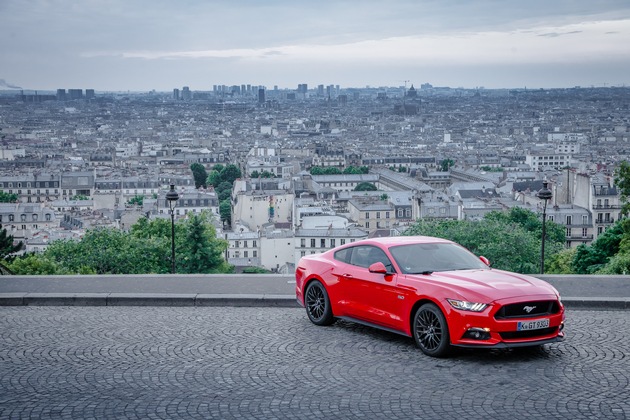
[(371, 297)]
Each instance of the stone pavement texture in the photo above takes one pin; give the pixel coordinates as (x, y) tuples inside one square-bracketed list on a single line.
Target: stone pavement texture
[(261, 363)]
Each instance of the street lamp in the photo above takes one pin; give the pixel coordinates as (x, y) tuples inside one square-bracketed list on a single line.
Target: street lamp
[(545, 195), (171, 198)]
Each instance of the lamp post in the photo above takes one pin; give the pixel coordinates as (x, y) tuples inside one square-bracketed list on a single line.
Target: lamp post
[(545, 195), (171, 198)]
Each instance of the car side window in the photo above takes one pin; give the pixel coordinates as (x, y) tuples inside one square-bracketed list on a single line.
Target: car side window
[(343, 255), (364, 256)]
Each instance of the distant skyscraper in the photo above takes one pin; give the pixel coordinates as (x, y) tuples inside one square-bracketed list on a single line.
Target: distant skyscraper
[(89, 94), (75, 94), (320, 90), (176, 94), (61, 94), (261, 96), (302, 88), (186, 93)]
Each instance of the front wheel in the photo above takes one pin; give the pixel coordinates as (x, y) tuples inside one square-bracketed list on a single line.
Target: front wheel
[(318, 304), (430, 331)]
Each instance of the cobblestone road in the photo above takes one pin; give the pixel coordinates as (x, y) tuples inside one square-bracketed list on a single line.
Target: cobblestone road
[(259, 363)]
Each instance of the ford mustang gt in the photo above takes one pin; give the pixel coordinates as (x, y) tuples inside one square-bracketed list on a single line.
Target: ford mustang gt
[(431, 289)]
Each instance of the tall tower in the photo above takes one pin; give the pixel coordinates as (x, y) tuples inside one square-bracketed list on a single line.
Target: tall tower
[(261, 96)]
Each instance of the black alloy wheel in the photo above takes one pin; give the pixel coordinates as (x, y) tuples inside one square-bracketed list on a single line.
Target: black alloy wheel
[(317, 304), (430, 331)]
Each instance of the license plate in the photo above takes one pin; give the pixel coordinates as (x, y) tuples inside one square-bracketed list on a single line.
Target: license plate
[(533, 325)]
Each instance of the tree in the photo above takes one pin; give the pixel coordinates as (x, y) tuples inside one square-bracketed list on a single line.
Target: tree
[(214, 178), (136, 200), (201, 252), (8, 245), (34, 264), (225, 210), (365, 186), (230, 173), (590, 258), (199, 174), (356, 170), (561, 263), (8, 198), (446, 164), (622, 181)]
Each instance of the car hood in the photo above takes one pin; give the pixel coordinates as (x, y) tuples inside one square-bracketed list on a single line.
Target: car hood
[(487, 285)]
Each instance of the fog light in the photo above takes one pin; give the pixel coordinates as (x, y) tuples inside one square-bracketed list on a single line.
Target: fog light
[(477, 333), (561, 327)]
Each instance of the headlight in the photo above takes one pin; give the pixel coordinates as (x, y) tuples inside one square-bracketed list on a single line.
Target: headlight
[(467, 306)]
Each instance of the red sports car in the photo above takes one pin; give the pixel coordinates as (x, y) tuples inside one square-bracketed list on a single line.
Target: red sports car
[(432, 289)]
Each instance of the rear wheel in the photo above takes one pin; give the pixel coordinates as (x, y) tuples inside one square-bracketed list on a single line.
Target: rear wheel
[(318, 304), (430, 331)]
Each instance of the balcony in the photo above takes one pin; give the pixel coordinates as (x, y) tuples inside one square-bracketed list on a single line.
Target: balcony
[(583, 238)]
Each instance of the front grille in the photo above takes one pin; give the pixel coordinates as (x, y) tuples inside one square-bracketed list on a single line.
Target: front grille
[(515, 335), (528, 309)]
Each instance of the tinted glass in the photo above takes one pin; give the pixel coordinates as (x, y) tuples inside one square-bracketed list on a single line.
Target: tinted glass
[(424, 258)]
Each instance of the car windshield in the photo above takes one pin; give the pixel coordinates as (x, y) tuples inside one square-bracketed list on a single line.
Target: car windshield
[(425, 258)]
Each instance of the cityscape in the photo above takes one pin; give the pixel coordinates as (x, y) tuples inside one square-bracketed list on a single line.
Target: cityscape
[(77, 159)]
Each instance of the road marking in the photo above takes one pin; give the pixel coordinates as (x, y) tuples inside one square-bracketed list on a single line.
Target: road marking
[(291, 282)]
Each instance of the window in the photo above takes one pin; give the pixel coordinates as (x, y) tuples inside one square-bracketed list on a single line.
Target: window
[(254, 254), (254, 244), (302, 253), (237, 244), (332, 242), (400, 212), (569, 232), (244, 244), (585, 220), (34, 218), (303, 243), (313, 243), (569, 220), (11, 217), (342, 241), (322, 243), (245, 254), (378, 214), (367, 214), (367, 225), (387, 215), (584, 232), (407, 213), (23, 217)]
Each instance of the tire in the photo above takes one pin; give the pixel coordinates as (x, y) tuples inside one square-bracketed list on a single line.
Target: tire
[(430, 331), (317, 304)]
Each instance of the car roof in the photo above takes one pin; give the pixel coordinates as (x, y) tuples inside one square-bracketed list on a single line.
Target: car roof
[(400, 240)]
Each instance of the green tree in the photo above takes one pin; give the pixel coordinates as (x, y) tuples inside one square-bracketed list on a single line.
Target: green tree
[(622, 181), (214, 178), (34, 264), (365, 186), (354, 170), (402, 169), (199, 174), (136, 200), (591, 258), (561, 262), (446, 165), (230, 173), (8, 246), (8, 198), (225, 210), (202, 252)]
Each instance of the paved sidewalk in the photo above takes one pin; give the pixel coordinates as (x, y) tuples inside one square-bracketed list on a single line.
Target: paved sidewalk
[(258, 290)]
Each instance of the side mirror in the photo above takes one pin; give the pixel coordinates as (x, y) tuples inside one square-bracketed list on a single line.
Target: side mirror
[(485, 260), (378, 267)]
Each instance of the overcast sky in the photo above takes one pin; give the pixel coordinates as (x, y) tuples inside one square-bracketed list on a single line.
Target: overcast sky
[(141, 45)]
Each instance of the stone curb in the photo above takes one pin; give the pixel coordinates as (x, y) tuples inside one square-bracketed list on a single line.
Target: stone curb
[(163, 299)]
